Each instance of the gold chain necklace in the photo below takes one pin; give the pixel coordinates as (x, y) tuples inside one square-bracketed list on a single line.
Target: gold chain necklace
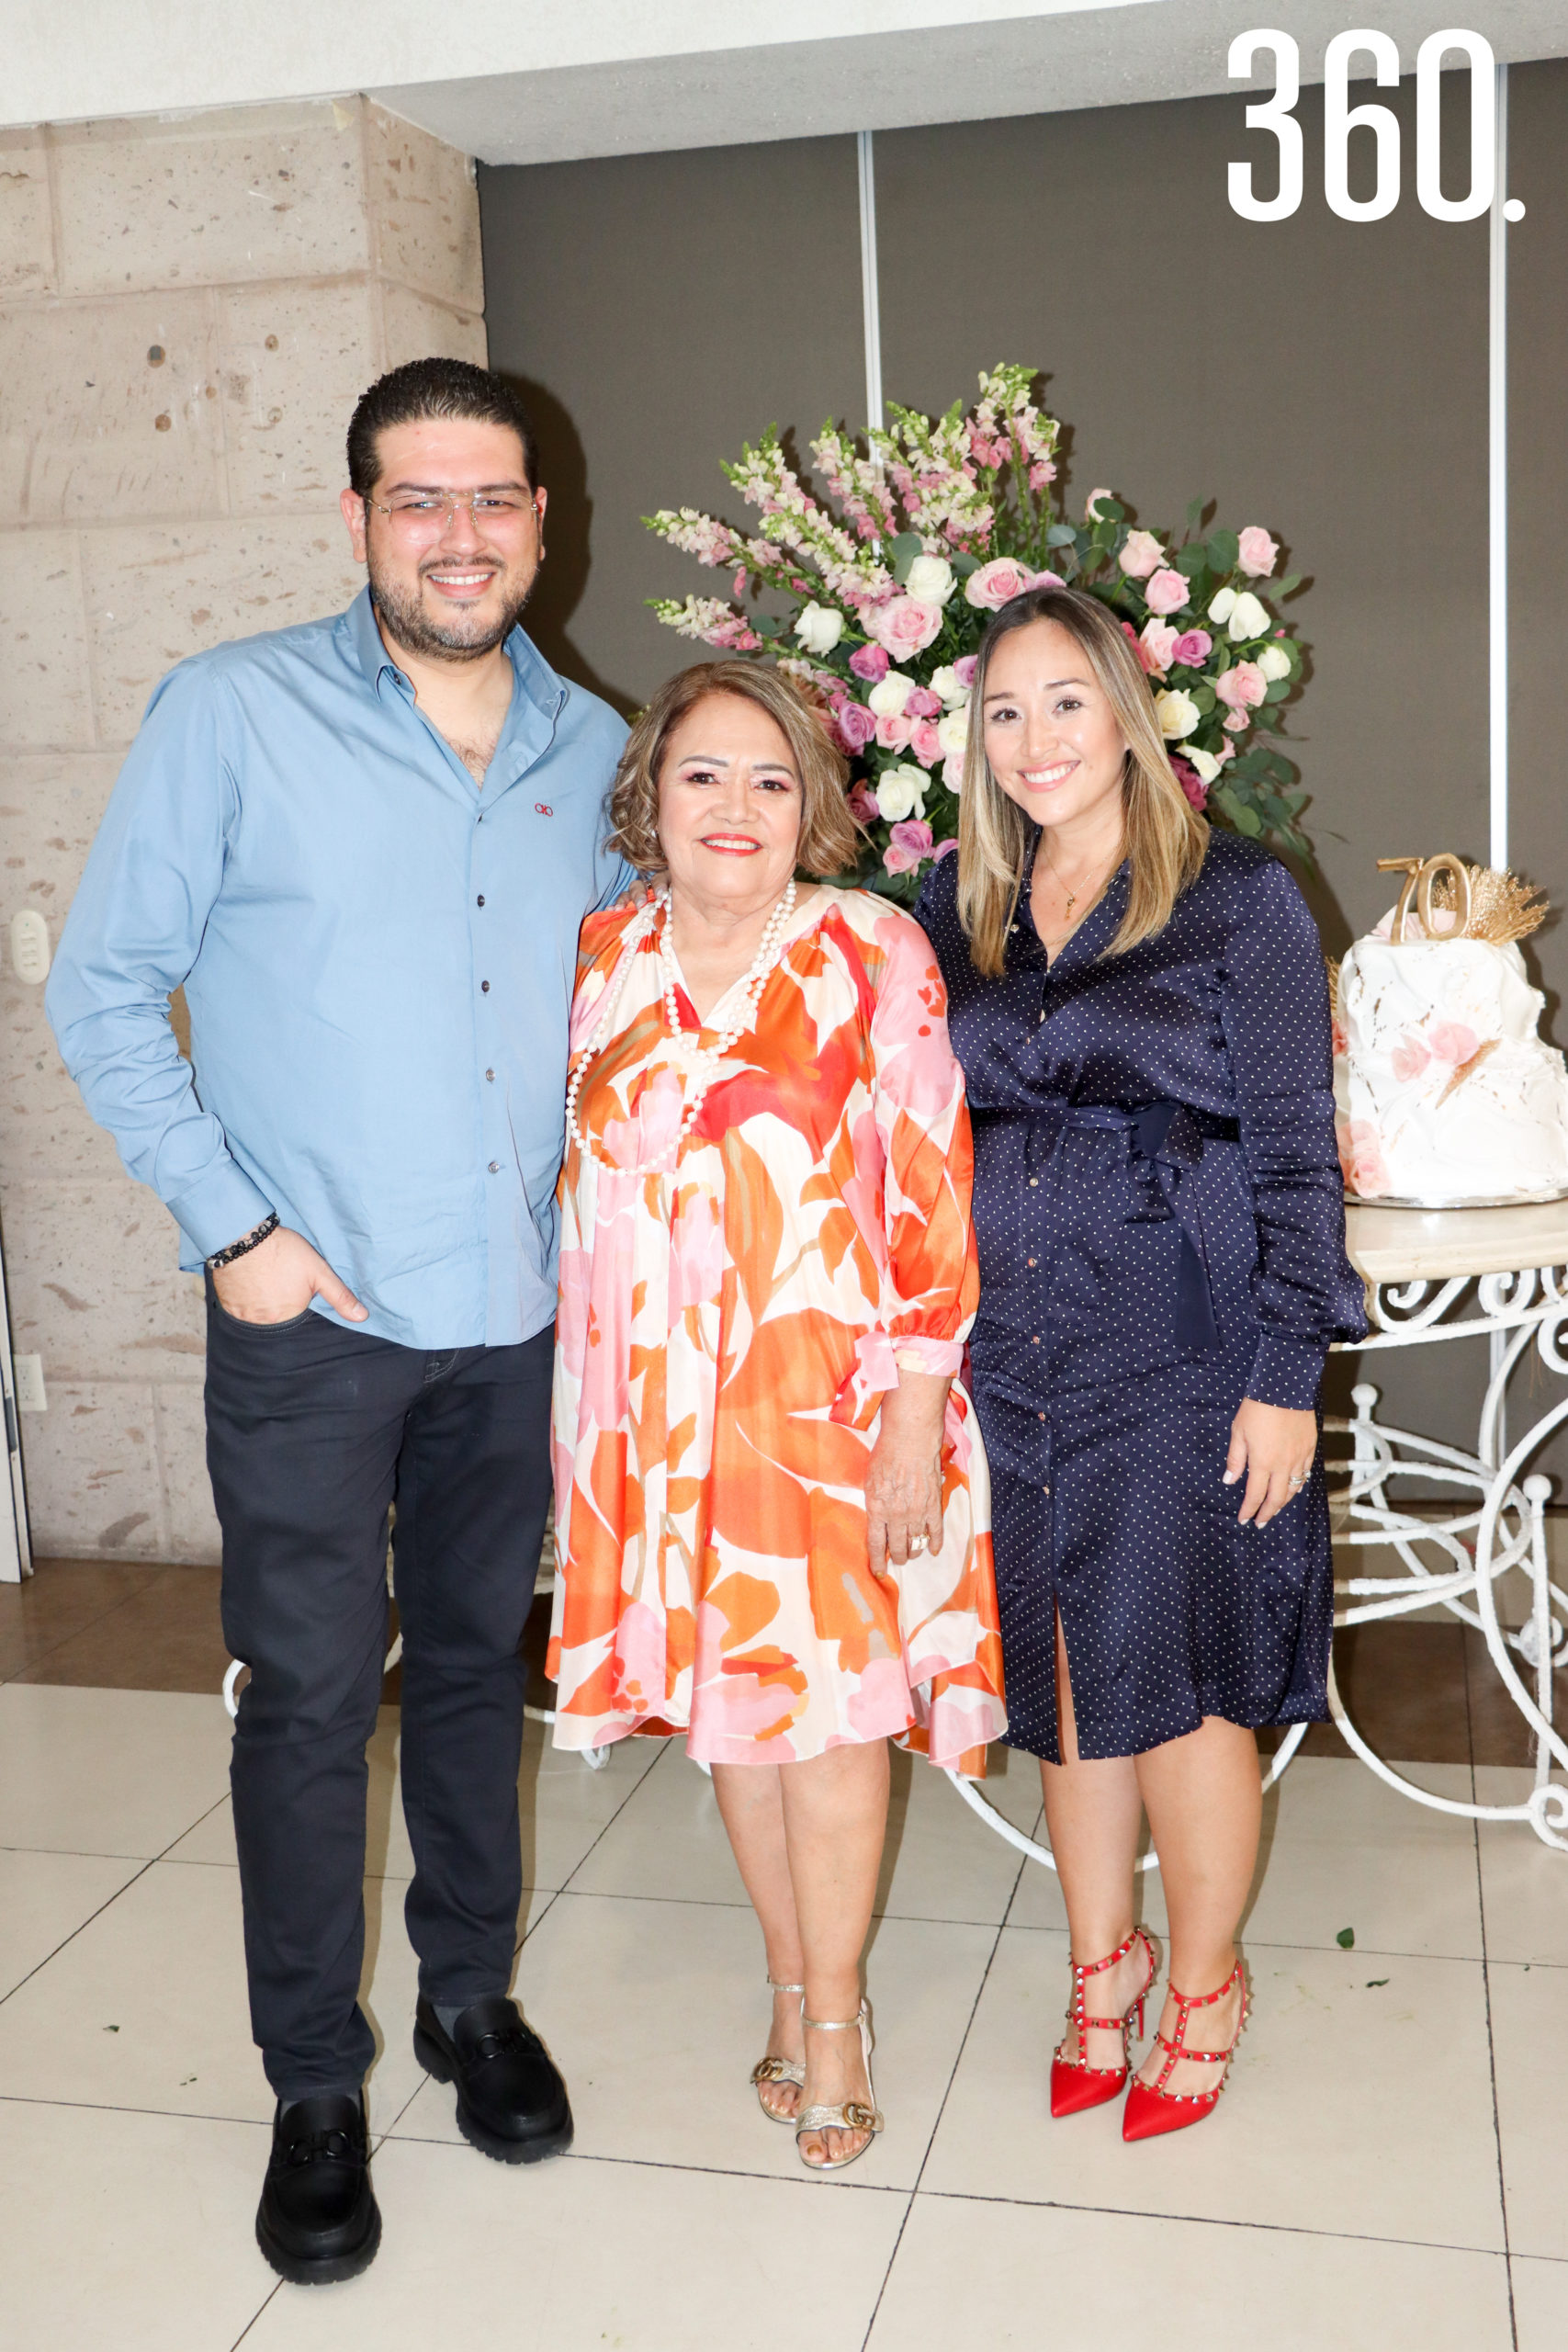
[(1072, 896)]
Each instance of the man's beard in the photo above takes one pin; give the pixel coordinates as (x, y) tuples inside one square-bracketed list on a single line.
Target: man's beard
[(407, 621)]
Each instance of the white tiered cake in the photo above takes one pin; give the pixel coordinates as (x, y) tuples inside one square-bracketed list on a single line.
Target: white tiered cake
[(1445, 1093)]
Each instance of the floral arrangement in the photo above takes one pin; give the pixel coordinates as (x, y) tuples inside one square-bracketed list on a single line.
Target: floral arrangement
[(887, 591)]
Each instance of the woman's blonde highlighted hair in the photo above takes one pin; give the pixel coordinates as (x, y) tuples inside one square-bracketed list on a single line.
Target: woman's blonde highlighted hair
[(1165, 837), (829, 840)]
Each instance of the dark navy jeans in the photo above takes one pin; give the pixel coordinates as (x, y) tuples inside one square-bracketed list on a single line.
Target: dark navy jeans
[(312, 1432)]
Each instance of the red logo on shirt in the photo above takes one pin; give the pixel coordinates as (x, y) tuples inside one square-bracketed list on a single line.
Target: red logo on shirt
[(543, 809)]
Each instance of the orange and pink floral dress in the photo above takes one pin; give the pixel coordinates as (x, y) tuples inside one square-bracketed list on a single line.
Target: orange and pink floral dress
[(726, 1331)]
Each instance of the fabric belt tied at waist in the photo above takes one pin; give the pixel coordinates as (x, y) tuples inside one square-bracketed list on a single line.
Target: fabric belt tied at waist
[(1163, 1140)]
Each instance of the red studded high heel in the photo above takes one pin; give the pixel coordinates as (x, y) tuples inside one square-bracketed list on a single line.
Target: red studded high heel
[(1075, 2083), (1151, 2108)]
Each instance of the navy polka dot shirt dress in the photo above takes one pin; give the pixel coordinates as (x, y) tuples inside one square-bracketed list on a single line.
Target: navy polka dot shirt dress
[(1161, 1229)]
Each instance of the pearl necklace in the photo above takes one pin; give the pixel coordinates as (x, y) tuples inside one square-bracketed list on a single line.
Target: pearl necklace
[(703, 1061)]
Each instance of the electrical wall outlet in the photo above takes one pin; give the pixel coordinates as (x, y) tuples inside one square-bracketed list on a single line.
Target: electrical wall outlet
[(30, 1396)]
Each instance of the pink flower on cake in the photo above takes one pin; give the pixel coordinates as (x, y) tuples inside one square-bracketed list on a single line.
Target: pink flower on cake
[(906, 626), (907, 845), (870, 662), (1366, 1170), (1409, 1057), (1453, 1042), (1341, 1039), (1167, 592), (1258, 552), (996, 583)]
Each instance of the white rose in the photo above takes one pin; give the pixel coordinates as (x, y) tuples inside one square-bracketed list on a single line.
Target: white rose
[(952, 731), (1224, 605), (929, 580), (1178, 715), (1274, 663), (1208, 768), (947, 683), (890, 693), (1248, 617), (901, 792), (819, 628)]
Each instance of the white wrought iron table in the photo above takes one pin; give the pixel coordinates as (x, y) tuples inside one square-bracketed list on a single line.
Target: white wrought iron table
[(1434, 1276)]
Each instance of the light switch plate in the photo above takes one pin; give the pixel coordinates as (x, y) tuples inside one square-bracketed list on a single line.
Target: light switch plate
[(30, 1396), (30, 947)]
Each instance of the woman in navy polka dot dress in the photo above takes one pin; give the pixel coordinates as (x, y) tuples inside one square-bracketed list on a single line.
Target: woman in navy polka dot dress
[(1140, 1007)]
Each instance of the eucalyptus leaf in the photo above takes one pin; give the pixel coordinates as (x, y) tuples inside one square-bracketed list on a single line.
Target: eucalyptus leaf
[(962, 564), (903, 551), (1248, 822), (1191, 561), (1061, 535), (1224, 550), (1278, 689), (767, 624), (1194, 511)]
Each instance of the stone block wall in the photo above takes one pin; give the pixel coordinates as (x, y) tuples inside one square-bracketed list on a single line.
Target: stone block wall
[(188, 311)]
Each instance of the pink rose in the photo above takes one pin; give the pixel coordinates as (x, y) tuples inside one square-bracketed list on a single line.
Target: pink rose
[(906, 626), (1452, 1042), (923, 703), (908, 846), (1242, 686), (870, 662), (893, 733), (862, 804), (1157, 646), (1223, 752), (924, 743), (1142, 555), (965, 667), (1236, 721), (996, 583), (1167, 592), (1193, 648), (946, 848), (1258, 552), (854, 724), (1409, 1057), (1192, 783)]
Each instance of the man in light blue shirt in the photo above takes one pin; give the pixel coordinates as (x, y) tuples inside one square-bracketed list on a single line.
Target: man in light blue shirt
[(365, 847)]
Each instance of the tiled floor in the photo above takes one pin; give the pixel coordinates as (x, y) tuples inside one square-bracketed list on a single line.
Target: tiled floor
[(1389, 2172)]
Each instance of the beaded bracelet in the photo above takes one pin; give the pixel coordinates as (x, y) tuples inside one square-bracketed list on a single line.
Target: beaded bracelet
[(251, 1240)]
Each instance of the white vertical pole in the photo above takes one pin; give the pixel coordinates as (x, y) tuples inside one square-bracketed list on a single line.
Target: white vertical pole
[(871, 312), (1497, 567), (1497, 484)]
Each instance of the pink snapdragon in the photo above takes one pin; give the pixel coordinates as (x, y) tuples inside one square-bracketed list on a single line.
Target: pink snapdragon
[(1258, 552), (909, 846), (1167, 592)]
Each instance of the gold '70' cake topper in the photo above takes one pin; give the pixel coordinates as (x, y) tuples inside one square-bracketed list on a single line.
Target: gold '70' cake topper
[(1453, 900)]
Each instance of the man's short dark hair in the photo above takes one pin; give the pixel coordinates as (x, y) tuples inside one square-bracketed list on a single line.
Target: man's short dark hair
[(433, 388)]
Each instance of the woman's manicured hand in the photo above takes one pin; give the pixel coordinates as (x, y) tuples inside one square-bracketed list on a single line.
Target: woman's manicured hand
[(903, 1478), (1276, 1448)]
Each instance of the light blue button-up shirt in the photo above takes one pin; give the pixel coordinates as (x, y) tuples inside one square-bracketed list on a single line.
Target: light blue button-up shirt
[(377, 955)]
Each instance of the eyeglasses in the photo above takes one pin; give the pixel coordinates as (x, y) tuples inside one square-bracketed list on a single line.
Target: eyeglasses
[(428, 514)]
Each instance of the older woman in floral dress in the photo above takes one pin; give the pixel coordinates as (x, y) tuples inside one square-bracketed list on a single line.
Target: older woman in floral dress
[(772, 1505)]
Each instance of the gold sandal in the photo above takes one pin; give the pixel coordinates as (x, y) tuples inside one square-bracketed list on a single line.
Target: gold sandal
[(778, 2069), (852, 2116)]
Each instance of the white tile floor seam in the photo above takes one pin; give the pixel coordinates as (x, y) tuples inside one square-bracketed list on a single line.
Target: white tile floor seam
[(1394, 2203)]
